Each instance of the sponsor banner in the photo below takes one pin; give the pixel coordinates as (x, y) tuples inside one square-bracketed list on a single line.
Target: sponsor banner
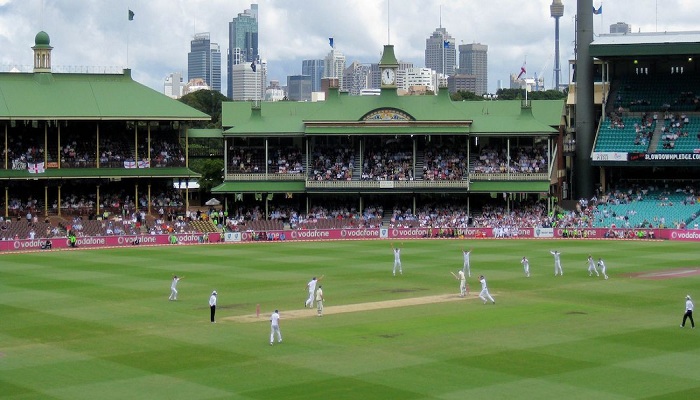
[(680, 234), (609, 156), (232, 237), (105, 241), (664, 157), (607, 233), (544, 232)]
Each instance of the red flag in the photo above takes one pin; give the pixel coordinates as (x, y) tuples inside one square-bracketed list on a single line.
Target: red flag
[(522, 70)]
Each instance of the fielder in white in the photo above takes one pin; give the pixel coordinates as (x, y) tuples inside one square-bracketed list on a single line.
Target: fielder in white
[(311, 286), (557, 263), (601, 265), (275, 327), (485, 291), (173, 287), (591, 266), (397, 259), (466, 268), (526, 266)]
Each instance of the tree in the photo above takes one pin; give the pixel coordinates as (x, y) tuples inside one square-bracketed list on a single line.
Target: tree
[(465, 95), (208, 102), (212, 171)]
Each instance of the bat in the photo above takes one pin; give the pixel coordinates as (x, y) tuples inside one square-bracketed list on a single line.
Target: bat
[(453, 274)]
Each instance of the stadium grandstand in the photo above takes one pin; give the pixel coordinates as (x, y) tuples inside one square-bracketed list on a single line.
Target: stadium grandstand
[(386, 164)]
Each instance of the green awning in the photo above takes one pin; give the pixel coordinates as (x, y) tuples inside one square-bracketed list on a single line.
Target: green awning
[(97, 173), (509, 186), (261, 187)]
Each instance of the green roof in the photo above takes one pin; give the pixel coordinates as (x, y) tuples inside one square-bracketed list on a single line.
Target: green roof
[(646, 44), (509, 186), (204, 133), (97, 173), (427, 114), (261, 187), (49, 96)]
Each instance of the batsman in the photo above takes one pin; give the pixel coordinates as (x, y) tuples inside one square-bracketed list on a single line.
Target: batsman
[(463, 287)]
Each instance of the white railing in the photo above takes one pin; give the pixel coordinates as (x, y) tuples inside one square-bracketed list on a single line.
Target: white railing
[(521, 176), (461, 184), (261, 176)]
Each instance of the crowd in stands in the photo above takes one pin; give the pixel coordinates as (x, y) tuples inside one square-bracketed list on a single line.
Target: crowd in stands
[(121, 215), (675, 127), (525, 159), (391, 160), (332, 164), (287, 160), (444, 162), (79, 152)]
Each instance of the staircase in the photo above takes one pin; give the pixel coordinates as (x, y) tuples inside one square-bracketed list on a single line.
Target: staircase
[(654, 142)]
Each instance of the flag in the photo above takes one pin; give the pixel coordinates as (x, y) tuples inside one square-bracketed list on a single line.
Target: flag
[(269, 197), (252, 66), (522, 70), (330, 41), (129, 164), (131, 15), (446, 44), (144, 164), (598, 11), (36, 168)]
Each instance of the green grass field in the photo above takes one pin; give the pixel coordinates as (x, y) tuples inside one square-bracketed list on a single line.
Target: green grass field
[(97, 324)]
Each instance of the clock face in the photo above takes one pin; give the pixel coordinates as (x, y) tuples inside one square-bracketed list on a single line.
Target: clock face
[(388, 76)]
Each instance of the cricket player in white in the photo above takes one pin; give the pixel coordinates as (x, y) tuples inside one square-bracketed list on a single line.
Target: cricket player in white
[(601, 265), (275, 327), (688, 312), (319, 300), (173, 287), (526, 266), (462, 283), (557, 263), (485, 291), (397, 259), (311, 286), (591, 266), (466, 268)]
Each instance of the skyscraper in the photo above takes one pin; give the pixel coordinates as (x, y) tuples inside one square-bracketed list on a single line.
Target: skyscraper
[(315, 69), (473, 60), (440, 52), (242, 43), (299, 88), (334, 66), (204, 61)]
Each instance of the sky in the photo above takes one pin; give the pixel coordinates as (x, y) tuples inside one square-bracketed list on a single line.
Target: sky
[(97, 35)]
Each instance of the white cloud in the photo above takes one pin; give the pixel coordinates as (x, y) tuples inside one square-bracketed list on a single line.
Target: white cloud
[(95, 33)]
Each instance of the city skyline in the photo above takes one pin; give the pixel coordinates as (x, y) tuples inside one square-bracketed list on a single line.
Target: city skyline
[(156, 42)]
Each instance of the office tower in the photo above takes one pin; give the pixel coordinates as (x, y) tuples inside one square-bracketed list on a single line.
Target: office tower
[(556, 10), (204, 61), (173, 85), (620, 27), (242, 43), (334, 66), (418, 77), (314, 69), (473, 60), (299, 88), (247, 84), (356, 77), (440, 52)]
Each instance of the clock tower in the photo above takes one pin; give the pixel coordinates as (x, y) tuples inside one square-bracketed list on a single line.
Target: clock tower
[(387, 68)]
